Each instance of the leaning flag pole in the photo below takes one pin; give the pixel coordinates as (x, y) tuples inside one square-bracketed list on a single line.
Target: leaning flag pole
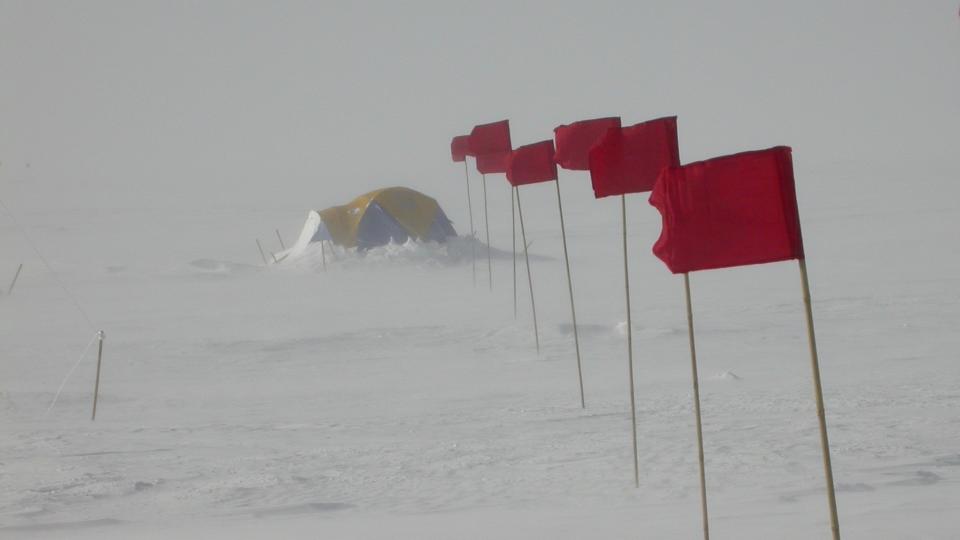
[(573, 311), (818, 391), (96, 385), (473, 244), (633, 401), (696, 407), (17, 275), (486, 223), (526, 257)]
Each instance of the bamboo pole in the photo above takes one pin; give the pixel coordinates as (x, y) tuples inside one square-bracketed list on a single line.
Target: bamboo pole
[(818, 393), (280, 238), (262, 256), (633, 403), (526, 257), (513, 228), (696, 408), (14, 282), (473, 234), (486, 222), (573, 310), (96, 385)]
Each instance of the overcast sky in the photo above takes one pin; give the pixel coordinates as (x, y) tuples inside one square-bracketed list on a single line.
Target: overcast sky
[(219, 103)]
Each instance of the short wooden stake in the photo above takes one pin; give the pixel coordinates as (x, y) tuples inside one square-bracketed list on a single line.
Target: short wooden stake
[(696, 407), (96, 385), (323, 255), (526, 257), (573, 310), (14, 282), (473, 233), (818, 393), (486, 222), (262, 256), (633, 403), (280, 238)]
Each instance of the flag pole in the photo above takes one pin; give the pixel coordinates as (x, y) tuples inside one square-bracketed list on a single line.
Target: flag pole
[(280, 238), (696, 407), (633, 405), (513, 226), (526, 257), (486, 222), (573, 311), (17, 275), (262, 256), (473, 244), (818, 392), (96, 385)]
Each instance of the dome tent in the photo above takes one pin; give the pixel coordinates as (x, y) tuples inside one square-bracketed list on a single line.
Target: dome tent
[(377, 218)]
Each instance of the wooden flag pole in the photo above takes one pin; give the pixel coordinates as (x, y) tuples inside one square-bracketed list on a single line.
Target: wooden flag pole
[(262, 256), (473, 234), (633, 404), (280, 238), (696, 407), (486, 222), (526, 257), (573, 310), (513, 227), (818, 392), (96, 385), (14, 282)]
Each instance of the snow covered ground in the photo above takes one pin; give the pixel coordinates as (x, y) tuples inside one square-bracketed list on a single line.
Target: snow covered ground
[(144, 146), (389, 397)]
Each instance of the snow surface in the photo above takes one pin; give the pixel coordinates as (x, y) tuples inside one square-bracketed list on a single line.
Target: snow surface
[(145, 146)]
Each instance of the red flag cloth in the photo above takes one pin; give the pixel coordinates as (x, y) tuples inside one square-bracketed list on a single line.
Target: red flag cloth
[(629, 160), (575, 140), (493, 163), (490, 138), (728, 211), (460, 147), (532, 163)]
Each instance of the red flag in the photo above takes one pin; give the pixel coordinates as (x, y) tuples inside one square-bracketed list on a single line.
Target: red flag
[(460, 147), (493, 163), (629, 160), (729, 211), (575, 140), (490, 138), (532, 163)]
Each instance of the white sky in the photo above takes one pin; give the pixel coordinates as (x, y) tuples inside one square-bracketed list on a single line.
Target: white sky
[(168, 104)]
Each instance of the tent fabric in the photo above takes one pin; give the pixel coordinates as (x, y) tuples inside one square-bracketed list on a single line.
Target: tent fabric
[(390, 214)]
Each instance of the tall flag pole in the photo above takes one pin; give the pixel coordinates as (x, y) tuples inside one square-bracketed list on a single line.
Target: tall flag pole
[(459, 149), (490, 144), (629, 160), (573, 143), (696, 407), (740, 210), (526, 258), (513, 238), (532, 164)]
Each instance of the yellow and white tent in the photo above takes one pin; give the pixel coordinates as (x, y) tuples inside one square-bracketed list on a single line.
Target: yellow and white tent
[(380, 217)]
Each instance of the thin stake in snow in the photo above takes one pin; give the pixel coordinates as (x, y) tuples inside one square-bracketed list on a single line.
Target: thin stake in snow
[(280, 238), (633, 404), (323, 255), (14, 282), (473, 233), (262, 255), (96, 385), (526, 257), (486, 222), (696, 407), (573, 310)]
